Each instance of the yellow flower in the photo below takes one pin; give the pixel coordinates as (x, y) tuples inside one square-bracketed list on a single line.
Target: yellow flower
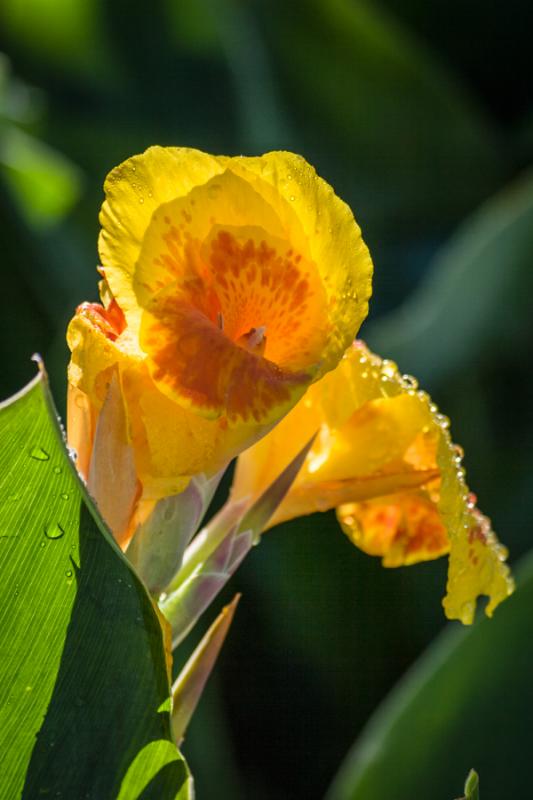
[(229, 286), (384, 459)]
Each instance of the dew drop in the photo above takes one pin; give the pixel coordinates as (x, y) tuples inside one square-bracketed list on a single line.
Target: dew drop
[(409, 382), (57, 470), (54, 531), (13, 498), (68, 573), (64, 496), (141, 200), (43, 544), (292, 198), (39, 454)]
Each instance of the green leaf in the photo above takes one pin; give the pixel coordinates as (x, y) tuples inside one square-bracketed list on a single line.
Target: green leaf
[(84, 689), (469, 700)]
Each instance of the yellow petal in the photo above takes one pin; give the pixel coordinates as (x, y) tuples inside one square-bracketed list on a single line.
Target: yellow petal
[(383, 456), (477, 559), (401, 528), (202, 253), (374, 438), (321, 224), (134, 190)]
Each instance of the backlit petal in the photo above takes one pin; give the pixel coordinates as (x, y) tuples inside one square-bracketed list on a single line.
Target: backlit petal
[(134, 190), (384, 458), (325, 230)]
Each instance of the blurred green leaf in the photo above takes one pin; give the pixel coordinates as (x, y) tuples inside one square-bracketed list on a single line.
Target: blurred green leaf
[(19, 103), (193, 31), (460, 312), (469, 700), (74, 721), (410, 140), (63, 32), (472, 786), (45, 183)]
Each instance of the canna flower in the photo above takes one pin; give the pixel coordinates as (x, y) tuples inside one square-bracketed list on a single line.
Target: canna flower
[(384, 459), (229, 285)]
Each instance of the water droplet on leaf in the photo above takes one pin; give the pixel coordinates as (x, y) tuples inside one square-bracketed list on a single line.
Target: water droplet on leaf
[(57, 470), (54, 531), (39, 454)]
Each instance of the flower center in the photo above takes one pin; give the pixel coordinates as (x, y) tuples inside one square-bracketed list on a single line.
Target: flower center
[(254, 341)]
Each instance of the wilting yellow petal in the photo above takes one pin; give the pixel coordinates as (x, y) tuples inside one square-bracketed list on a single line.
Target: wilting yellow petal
[(384, 458)]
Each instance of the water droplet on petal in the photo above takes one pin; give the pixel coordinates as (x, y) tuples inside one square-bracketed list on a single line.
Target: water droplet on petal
[(54, 531), (39, 454), (409, 382)]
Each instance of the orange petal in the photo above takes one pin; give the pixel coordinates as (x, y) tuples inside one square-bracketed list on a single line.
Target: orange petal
[(402, 528), (112, 479), (81, 424), (193, 361)]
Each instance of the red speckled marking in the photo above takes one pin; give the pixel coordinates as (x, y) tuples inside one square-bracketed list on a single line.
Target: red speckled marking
[(199, 325)]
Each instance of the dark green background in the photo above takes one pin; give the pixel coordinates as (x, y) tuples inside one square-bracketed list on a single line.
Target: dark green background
[(420, 115)]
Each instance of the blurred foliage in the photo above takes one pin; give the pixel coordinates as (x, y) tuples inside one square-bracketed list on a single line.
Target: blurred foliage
[(462, 703), (420, 115)]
